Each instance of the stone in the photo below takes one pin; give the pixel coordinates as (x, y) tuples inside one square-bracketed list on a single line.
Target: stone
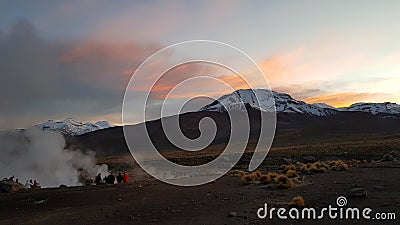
[(358, 193), (287, 160), (395, 154), (309, 159), (378, 188), (232, 214), (388, 157)]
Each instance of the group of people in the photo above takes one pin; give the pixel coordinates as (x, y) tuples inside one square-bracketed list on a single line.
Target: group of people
[(110, 179), (28, 184), (32, 184), (11, 179)]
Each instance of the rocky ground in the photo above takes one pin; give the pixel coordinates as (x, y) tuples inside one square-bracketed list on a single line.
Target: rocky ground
[(225, 201)]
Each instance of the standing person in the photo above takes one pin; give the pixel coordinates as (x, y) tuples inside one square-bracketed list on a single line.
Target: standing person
[(27, 184), (126, 178), (98, 179), (120, 178), (110, 179)]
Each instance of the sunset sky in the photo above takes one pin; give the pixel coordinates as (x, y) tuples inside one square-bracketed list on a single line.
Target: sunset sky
[(74, 58)]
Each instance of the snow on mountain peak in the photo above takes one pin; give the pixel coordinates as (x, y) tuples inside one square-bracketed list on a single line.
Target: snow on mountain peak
[(266, 98), (374, 108), (285, 103), (72, 127)]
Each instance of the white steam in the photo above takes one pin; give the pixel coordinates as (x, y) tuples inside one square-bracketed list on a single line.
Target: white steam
[(41, 155)]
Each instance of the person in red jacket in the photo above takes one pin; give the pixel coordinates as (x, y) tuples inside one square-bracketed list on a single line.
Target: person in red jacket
[(126, 178)]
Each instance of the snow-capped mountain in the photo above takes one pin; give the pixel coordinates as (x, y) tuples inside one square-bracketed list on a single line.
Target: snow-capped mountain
[(283, 103), (72, 127), (374, 108)]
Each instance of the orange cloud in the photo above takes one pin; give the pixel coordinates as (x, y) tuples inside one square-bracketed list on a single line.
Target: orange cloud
[(274, 69), (187, 71), (346, 99), (109, 64)]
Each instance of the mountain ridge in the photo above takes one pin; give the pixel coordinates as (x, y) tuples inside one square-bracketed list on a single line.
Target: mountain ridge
[(286, 103), (72, 127)]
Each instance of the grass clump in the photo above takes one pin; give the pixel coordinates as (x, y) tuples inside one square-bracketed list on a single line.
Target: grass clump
[(287, 167), (236, 173), (265, 179), (297, 202), (291, 173), (246, 179), (283, 182)]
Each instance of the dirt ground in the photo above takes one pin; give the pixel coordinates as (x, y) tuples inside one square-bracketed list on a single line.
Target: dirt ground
[(226, 201)]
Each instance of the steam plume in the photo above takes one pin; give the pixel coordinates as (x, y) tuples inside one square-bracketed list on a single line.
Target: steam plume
[(40, 155)]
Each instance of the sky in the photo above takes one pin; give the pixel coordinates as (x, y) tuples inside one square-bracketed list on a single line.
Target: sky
[(62, 59)]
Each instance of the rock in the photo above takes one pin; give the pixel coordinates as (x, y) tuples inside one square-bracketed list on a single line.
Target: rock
[(232, 214), (355, 185), (309, 159), (388, 157), (9, 186), (63, 186), (287, 160), (40, 201), (271, 186), (378, 188), (358, 193), (395, 154)]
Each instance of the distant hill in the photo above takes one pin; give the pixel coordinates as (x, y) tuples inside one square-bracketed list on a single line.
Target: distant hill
[(292, 129), (298, 123), (72, 127)]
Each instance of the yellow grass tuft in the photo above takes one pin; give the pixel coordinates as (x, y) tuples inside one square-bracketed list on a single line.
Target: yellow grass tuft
[(236, 173), (273, 175), (255, 175), (297, 202), (288, 167), (265, 179), (291, 173), (246, 179), (321, 167), (283, 181), (340, 165)]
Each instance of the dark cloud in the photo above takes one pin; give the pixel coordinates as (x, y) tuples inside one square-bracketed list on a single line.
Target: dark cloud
[(42, 79)]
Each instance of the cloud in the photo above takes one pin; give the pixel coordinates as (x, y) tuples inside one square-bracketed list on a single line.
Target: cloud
[(346, 99), (300, 91), (42, 79)]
